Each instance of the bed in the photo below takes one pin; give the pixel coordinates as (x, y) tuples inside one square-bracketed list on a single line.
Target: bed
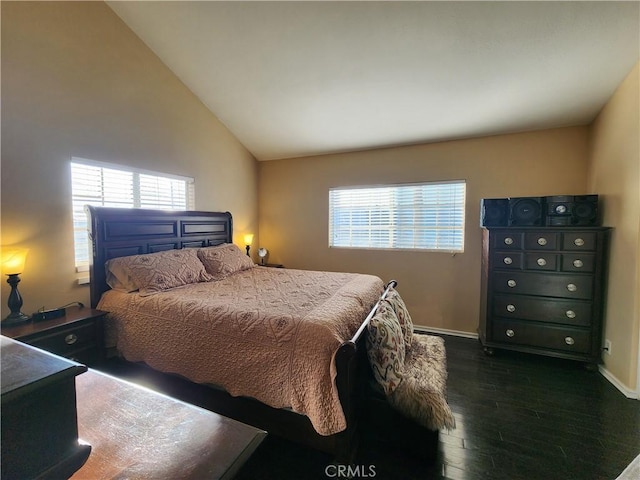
[(317, 403)]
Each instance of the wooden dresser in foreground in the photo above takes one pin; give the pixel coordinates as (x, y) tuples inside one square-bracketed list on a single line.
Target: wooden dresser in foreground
[(543, 290), (138, 433), (39, 427)]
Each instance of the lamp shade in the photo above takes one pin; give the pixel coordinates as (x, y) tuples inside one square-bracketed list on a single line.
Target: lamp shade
[(248, 238), (13, 260)]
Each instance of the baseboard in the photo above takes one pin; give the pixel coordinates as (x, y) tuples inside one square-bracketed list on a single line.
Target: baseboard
[(626, 391), (444, 331)]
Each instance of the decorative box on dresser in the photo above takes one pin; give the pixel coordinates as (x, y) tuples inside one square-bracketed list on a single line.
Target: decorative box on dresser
[(543, 290)]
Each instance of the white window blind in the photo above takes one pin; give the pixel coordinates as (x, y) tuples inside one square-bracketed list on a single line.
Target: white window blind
[(107, 185), (425, 216)]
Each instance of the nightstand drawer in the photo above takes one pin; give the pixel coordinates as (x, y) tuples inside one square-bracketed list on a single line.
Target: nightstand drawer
[(540, 335), (66, 341)]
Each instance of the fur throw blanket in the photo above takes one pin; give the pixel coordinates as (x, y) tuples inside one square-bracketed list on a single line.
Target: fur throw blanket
[(410, 368)]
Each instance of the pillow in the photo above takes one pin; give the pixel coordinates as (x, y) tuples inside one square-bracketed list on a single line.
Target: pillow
[(118, 277), (156, 272), (223, 260), (385, 348), (401, 311)]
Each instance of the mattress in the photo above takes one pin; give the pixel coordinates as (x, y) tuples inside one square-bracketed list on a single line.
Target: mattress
[(266, 333)]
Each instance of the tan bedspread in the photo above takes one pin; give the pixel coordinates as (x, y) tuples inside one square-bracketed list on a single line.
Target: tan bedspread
[(266, 333)]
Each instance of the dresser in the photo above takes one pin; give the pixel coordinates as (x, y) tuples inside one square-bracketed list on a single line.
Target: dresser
[(543, 290)]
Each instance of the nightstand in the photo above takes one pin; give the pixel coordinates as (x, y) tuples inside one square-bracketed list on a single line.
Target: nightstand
[(271, 265), (78, 335)]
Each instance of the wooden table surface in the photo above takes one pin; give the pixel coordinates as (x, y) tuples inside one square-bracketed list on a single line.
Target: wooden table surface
[(137, 433)]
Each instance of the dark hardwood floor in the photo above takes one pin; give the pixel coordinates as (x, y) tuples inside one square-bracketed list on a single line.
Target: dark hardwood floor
[(518, 416)]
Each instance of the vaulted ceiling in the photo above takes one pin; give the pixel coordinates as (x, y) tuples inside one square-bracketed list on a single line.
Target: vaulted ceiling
[(293, 79)]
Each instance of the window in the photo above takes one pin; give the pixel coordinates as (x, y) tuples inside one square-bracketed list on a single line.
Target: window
[(423, 216), (107, 185)]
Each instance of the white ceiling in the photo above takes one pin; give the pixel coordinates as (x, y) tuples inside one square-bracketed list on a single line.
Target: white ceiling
[(295, 79)]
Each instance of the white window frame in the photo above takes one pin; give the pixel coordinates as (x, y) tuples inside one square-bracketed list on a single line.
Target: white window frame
[(379, 217), (81, 241)]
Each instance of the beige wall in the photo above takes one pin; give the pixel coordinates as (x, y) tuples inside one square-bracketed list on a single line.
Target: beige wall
[(441, 290), (615, 174), (77, 82)]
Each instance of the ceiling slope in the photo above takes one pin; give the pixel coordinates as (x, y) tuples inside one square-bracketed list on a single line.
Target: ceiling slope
[(293, 79)]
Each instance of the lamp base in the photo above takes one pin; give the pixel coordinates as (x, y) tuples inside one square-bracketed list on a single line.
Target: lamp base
[(14, 318)]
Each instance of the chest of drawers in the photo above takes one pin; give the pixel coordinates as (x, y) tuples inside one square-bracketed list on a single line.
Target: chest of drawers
[(543, 290)]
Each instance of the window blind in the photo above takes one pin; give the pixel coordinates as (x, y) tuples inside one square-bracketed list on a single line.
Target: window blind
[(425, 216), (107, 185)]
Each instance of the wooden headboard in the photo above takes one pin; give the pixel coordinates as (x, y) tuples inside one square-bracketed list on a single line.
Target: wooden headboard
[(118, 232)]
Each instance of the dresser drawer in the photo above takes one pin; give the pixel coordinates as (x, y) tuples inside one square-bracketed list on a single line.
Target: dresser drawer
[(569, 312), (579, 241), (544, 284), (553, 337), (541, 261), (543, 240), (67, 341), (510, 260), (507, 240), (578, 262)]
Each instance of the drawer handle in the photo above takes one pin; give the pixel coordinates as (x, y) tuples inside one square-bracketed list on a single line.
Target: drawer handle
[(508, 241), (541, 261), (511, 308), (542, 241), (572, 287), (511, 283), (578, 263), (570, 314), (510, 333), (507, 260), (579, 242), (71, 339), (569, 340)]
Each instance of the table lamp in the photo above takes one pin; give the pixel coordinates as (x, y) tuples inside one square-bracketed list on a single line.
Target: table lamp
[(13, 260), (248, 239)]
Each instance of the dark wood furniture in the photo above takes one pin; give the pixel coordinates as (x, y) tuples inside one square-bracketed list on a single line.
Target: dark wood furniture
[(39, 428), (543, 290), (77, 335), (138, 433), (118, 232)]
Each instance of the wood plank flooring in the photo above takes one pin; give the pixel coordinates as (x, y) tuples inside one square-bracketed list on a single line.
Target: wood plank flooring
[(518, 416)]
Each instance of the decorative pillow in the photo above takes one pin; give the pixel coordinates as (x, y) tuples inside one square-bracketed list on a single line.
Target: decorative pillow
[(155, 272), (223, 260), (401, 311), (385, 348), (118, 277)]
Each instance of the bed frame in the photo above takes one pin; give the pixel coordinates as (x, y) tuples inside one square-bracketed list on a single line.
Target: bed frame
[(116, 232)]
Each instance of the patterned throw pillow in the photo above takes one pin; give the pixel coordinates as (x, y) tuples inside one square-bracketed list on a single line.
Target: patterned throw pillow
[(385, 348), (223, 260), (155, 272), (401, 311)]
